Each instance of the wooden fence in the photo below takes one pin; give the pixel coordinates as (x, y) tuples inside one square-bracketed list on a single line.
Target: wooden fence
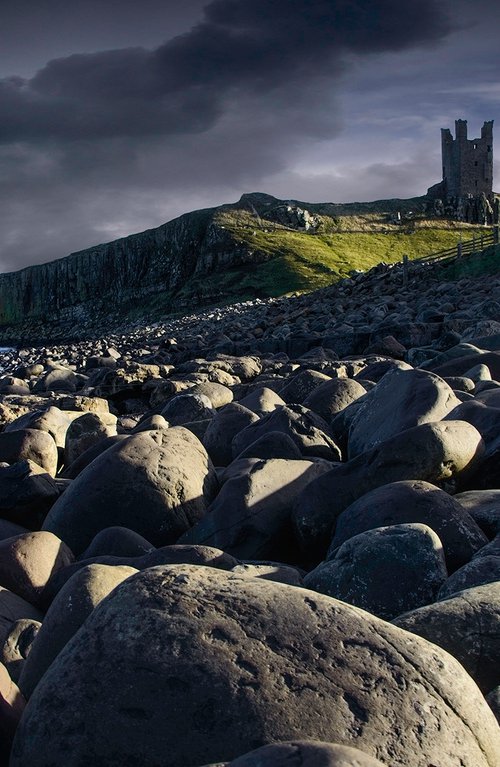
[(476, 245)]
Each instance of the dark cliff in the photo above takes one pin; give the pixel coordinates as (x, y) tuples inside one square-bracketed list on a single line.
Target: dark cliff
[(204, 257)]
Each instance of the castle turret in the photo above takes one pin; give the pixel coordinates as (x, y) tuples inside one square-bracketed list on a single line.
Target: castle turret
[(467, 163)]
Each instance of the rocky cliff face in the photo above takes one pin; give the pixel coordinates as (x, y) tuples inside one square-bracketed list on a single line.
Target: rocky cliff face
[(152, 267), (115, 274)]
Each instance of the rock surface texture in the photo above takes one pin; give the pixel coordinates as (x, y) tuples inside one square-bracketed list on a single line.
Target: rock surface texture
[(244, 662)]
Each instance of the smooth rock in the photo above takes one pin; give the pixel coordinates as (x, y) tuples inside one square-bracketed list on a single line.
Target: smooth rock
[(386, 571), (213, 649), (13, 609), (431, 452), (262, 400), (308, 753), (309, 432), (413, 502), (467, 625), (117, 542), (333, 396), (17, 646), (69, 610), (27, 562), (478, 571), (29, 444), (402, 400), (221, 430), (484, 508), (250, 517), (157, 483), (85, 432)]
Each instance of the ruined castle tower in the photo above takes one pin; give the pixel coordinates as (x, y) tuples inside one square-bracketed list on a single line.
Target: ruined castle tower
[(467, 164), (466, 191)]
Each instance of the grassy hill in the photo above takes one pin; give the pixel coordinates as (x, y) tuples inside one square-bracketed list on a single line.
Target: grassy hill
[(288, 260)]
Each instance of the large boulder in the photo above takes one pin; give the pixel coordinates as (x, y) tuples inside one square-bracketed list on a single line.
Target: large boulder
[(401, 400), (67, 613), (223, 427), (179, 554), (184, 665), (432, 452), (32, 445), (301, 385), (157, 483), (26, 493), (413, 501), (484, 508), (262, 400), (250, 518), (184, 408), (333, 396), (12, 609), (85, 432), (386, 571), (310, 433), (28, 561), (467, 625), (12, 706), (51, 420), (17, 645), (479, 571)]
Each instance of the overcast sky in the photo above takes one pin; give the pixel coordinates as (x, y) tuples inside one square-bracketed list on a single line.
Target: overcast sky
[(118, 115)]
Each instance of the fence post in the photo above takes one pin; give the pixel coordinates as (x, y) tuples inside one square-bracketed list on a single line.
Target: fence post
[(405, 270), (459, 249), (495, 234)]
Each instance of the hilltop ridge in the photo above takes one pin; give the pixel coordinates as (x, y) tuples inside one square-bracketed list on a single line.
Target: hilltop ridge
[(257, 247)]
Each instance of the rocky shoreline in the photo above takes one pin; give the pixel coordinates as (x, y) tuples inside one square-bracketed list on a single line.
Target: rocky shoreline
[(263, 535)]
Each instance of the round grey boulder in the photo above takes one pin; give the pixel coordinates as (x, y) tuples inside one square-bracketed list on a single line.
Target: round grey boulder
[(157, 483), (413, 501), (401, 400), (301, 385), (484, 508), (309, 432), (17, 646), (117, 542), (262, 400), (85, 432), (386, 571), (333, 396), (221, 430), (32, 445), (479, 571), (432, 452), (467, 625), (245, 662), (250, 518), (184, 408), (67, 613), (28, 561)]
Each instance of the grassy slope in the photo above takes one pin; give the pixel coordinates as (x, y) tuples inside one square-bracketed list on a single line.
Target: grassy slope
[(299, 261)]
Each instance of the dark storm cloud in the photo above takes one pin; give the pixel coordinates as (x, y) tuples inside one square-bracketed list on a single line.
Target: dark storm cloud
[(241, 46)]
